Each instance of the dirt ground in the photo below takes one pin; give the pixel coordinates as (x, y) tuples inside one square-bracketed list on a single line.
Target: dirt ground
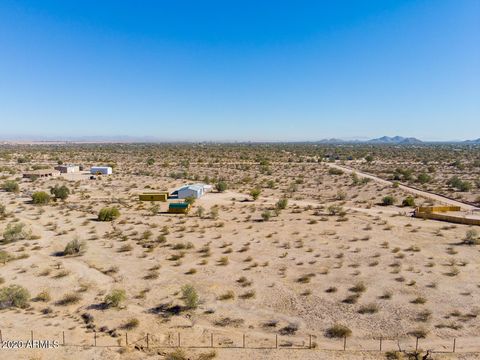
[(333, 256)]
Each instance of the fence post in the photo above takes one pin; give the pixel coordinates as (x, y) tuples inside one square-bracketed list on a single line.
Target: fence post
[(31, 335), (416, 345), (276, 341), (344, 343), (126, 338), (454, 344), (381, 343), (211, 340), (244, 341), (94, 338), (178, 339), (1, 338), (63, 338), (147, 340), (309, 341)]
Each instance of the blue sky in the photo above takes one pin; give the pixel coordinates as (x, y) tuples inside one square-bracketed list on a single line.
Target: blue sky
[(240, 70)]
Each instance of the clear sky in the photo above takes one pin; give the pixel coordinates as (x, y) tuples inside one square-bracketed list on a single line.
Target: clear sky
[(240, 70)]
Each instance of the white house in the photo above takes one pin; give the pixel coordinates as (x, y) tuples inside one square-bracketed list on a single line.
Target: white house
[(103, 170), (66, 169), (194, 191)]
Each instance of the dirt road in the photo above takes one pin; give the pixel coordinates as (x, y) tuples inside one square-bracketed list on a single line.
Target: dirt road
[(425, 194)]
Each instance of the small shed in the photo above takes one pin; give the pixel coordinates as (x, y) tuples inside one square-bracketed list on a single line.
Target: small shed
[(195, 191), (101, 170), (179, 208), (67, 169), (154, 196)]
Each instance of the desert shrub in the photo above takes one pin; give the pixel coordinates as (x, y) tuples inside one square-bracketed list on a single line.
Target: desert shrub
[(150, 161), (108, 214), (74, 247), (369, 158), (221, 186), (388, 200), (177, 354), (43, 296), (14, 296), (471, 237), (60, 192), (69, 299), (190, 296), (424, 178), (255, 193), (4, 257), (115, 298), (460, 185), (335, 171), (3, 211), (408, 201), (281, 204), (40, 198), (266, 215), (338, 331), (368, 309), (10, 186), (335, 210), (131, 324), (14, 232), (190, 200)]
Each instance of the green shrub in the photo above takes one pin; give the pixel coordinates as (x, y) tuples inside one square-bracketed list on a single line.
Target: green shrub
[(108, 214), (424, 178), (60, 192), (335, 171), (255, 193), (221, 186), (409, 201), (190, 200), (388, 200), (281, 204), (190, 296), (74, 247), (338, 331), (115, 298), (14, 296), (14, 232), (40, 198), (266, 215), (10, 186)]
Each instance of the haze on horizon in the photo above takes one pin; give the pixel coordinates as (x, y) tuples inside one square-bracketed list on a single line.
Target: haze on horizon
[(246, 71)]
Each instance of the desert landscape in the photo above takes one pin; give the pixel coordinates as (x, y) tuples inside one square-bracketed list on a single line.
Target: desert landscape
[(300, 251)]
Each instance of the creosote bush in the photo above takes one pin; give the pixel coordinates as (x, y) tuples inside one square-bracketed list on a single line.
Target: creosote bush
[(14, 296), (338, 331), (60, 192), (115, 298), (108, 214), (74, 247), (190, 296), (40, 198), (10, 186), (14, 232)]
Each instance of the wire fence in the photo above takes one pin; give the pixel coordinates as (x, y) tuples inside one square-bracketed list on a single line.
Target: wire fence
[(225, 340)]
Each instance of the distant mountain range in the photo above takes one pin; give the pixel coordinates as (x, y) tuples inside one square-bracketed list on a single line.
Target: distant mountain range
[(394, 140)]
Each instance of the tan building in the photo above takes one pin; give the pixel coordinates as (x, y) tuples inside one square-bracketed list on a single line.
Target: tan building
[(67, 169)]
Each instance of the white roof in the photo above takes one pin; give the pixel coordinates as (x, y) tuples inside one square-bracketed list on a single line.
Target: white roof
[(195, 187)]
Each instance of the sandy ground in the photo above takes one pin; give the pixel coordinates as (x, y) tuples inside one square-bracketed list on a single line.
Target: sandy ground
[(300, 268)]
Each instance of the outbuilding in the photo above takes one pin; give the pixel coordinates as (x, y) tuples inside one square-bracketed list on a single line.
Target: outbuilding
[(179, 208), (154, 196), (101, 170), (67, 169), (41, 173), (195, 191)]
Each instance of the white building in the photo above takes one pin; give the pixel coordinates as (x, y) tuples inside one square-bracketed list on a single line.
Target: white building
[(66, 169), (194, 191), (101, 170)]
